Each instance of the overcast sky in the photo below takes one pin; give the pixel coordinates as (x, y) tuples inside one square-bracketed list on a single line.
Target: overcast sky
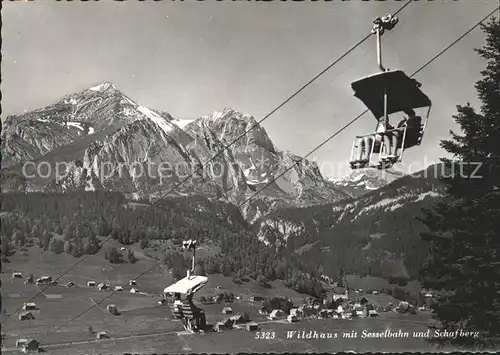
[(192, 58)]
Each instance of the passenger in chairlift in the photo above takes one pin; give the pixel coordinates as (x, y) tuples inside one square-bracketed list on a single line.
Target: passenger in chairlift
[(365, 144), (413, 124), (177, 301)]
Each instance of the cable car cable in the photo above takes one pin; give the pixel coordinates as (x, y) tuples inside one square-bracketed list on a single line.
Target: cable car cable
[(336, 77), (311, 152), (256, 125)]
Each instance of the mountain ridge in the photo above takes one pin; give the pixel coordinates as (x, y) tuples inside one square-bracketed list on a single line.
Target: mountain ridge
[(104, 128), (374, 234)]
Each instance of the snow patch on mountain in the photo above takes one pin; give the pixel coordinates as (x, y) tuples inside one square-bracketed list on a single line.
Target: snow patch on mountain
[(104, 86), (357, 177), (70, 101), (128, 111), (366, 179), (75, 124), (423, 195), (181, 123), (393, 203), (384, 204), (155, 118), (126, 100), (395, 207), (264, 240), (217, 115), (256, 182)]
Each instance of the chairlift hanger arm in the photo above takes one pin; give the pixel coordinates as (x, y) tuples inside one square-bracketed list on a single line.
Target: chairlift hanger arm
[(380, 25), (389, 91)]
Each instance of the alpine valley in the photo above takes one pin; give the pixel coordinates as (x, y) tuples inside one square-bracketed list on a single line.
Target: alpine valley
[(99, 141)]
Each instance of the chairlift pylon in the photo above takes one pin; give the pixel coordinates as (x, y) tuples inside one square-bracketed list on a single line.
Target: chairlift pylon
[(386, 93)]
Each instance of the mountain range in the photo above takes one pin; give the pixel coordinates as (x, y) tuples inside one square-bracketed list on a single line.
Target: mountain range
[(100, 139)]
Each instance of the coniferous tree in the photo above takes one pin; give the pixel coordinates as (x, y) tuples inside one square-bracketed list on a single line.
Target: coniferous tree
[(200, 269), (68, 233), (56, 246), (91, 245), (68, 247), (464, 264), (144, 243), (5, 245), (177, 273), (131, 257), (77, 248), (114, 256)]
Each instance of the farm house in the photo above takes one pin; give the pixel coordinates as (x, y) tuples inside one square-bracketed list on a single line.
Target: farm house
[(341, 295), (252, 327), (238, 319), (223, 324), (31, 346), (21, 342), (296, 312), (256, 299), (44, 280), (102, 335), (111, 308), (29, 306), (306, 311), (275, 314), (26, 316), (263, 310), (102, 287)]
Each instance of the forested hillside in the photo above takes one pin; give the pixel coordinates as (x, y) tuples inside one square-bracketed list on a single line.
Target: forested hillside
[(377, 234), (71, 222)]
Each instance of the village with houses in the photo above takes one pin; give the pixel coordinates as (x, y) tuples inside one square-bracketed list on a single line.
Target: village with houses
[(229, 311)]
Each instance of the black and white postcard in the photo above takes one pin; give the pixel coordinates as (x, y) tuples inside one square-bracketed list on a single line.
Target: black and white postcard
[(233, 176)]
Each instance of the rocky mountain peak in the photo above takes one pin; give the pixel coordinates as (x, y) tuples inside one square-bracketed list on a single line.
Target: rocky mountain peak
[(227, 113), (125, 146), (104, 86), (360, 181)]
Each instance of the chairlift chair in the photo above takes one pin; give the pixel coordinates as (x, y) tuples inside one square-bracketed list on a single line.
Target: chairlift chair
[(192, 317), (386, 93)]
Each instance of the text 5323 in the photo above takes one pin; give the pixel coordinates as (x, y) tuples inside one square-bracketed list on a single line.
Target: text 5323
[(265, 335)]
